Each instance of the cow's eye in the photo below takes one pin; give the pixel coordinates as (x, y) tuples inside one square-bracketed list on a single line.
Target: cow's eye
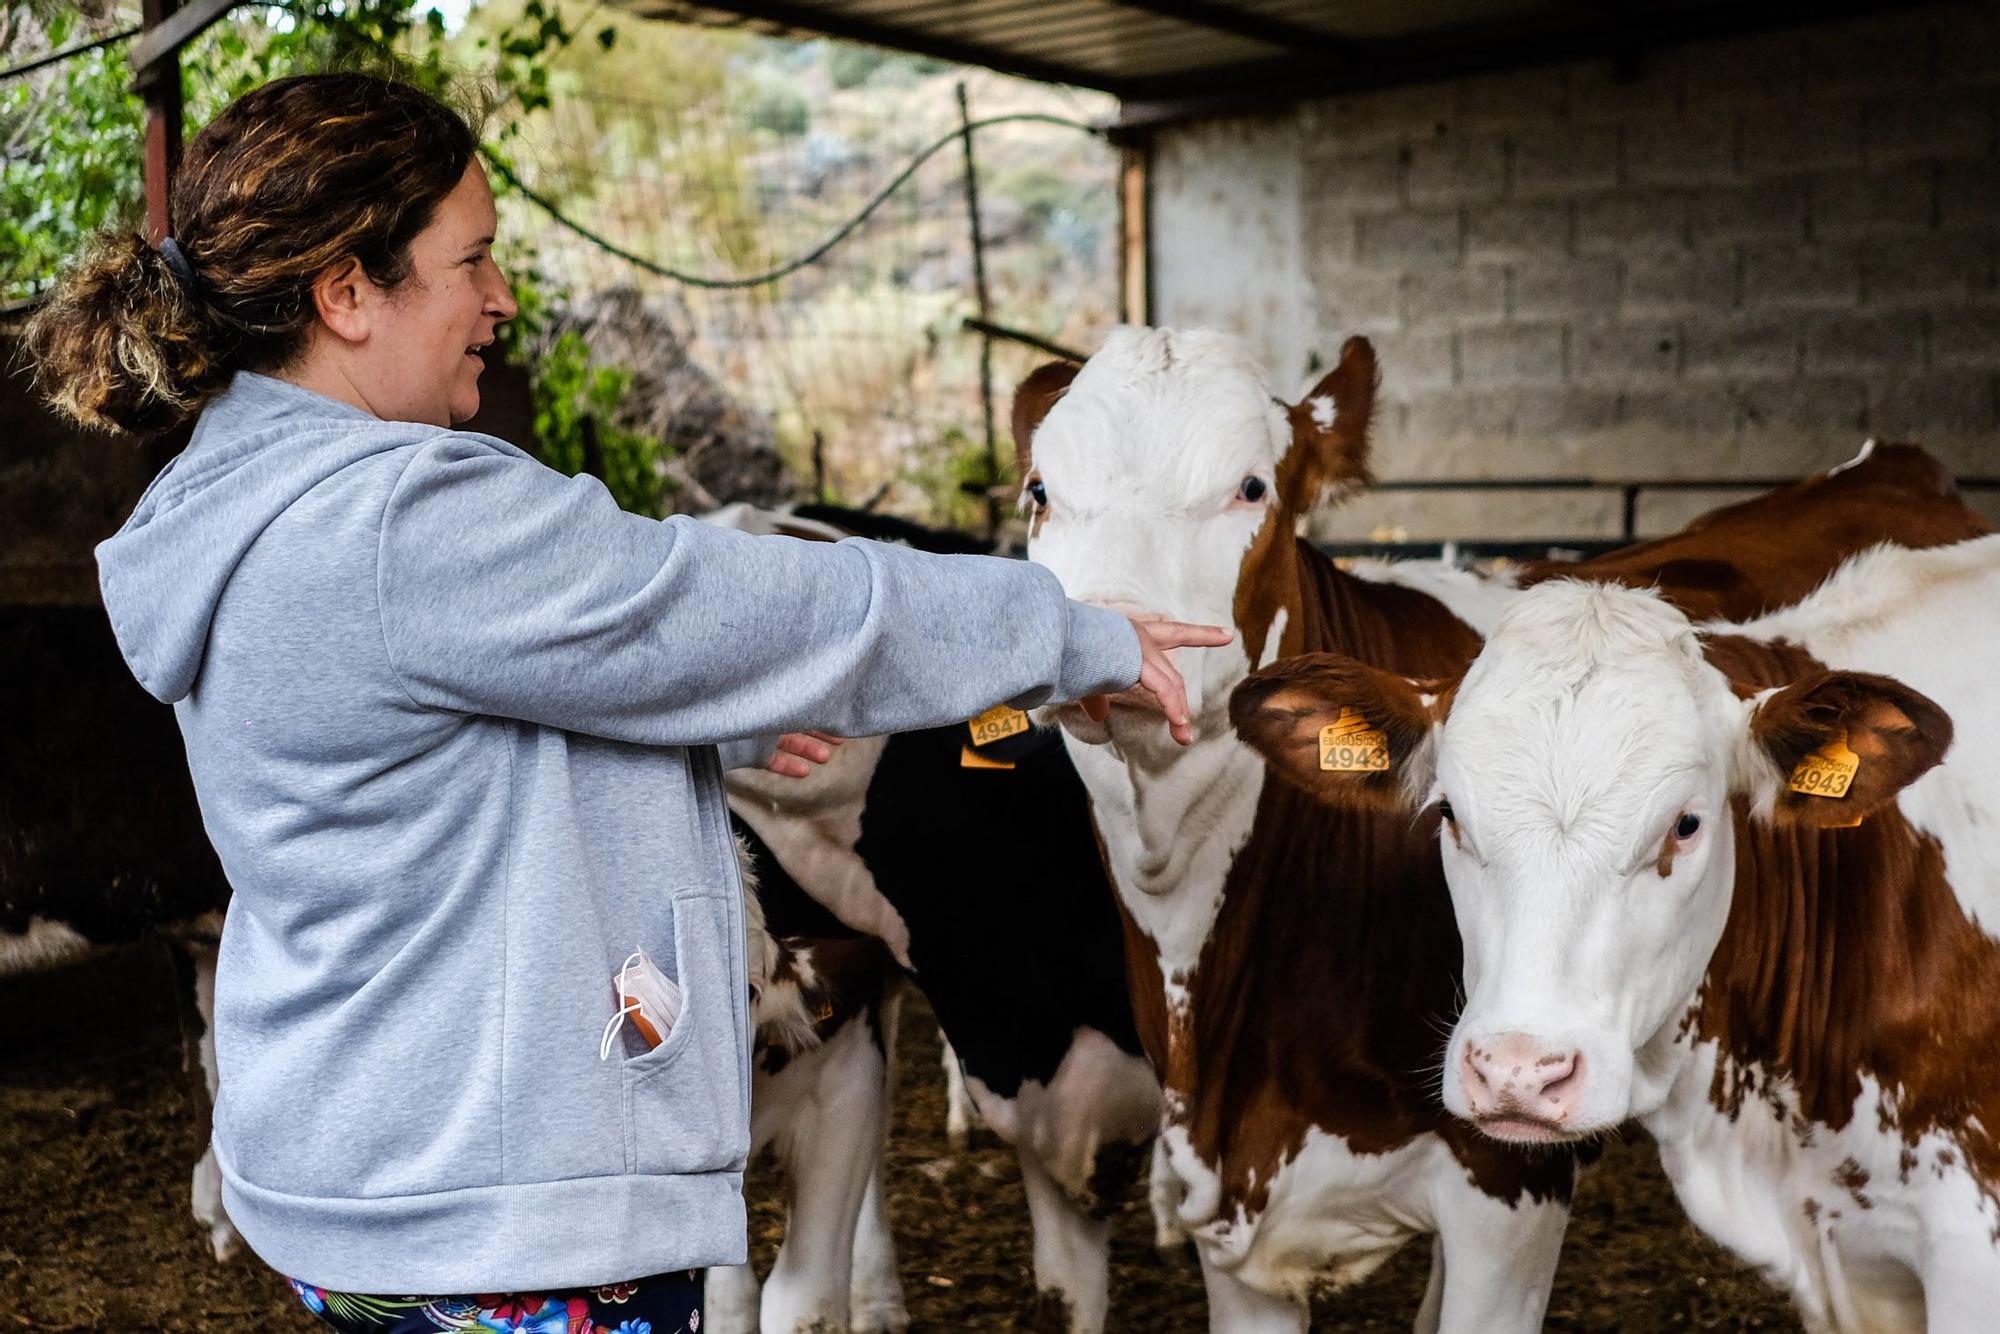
[(1444, 810), (1687, 826), (1251, 490), (1038, 493)]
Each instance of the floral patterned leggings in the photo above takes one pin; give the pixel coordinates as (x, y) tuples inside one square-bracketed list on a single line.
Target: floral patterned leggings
[(666, 1304)]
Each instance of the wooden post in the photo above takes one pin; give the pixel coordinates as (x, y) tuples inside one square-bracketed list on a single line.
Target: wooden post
[(160, 84), (1135, 269)]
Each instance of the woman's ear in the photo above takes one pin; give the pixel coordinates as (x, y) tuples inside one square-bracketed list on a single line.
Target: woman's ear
[(342, 296)]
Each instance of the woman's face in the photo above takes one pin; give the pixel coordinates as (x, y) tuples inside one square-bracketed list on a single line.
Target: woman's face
[(423, 336)]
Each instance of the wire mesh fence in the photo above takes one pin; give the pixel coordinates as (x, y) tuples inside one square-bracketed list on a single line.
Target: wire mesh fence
[(717, 154), (856, 364)]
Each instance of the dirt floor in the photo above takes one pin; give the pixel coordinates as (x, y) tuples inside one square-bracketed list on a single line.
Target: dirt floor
[(96, 1135)]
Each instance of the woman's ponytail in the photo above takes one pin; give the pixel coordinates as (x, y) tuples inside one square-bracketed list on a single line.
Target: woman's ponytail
[(126, 343)]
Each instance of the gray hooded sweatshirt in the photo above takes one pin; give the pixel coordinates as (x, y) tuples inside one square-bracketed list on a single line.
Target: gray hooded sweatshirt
[(452, 718)]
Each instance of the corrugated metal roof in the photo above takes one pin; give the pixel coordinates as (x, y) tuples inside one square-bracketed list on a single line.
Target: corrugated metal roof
[(1188, 50)]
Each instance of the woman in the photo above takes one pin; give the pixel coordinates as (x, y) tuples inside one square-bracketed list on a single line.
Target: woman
[(453, 719)]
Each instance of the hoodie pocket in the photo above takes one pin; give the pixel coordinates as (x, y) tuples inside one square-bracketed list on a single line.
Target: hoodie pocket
[(684, 1098)]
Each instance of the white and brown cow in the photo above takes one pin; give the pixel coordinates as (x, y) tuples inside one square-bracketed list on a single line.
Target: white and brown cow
[(1292, 966), (1738, 881)]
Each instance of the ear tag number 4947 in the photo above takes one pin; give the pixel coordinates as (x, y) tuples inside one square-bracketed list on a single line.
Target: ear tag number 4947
[(997, 724)]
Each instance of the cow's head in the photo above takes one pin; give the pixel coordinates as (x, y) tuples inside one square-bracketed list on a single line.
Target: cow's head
[(1164, 477), (1589, 765)]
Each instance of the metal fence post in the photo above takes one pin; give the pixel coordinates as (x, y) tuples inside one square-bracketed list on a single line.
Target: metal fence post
[(159, 82), (985, 316)]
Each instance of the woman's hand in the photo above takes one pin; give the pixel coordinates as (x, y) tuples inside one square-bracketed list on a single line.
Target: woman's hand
[(1160, 686), (797, 752)]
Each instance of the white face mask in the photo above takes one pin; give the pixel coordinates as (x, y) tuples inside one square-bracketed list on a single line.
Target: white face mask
[(650, 997)]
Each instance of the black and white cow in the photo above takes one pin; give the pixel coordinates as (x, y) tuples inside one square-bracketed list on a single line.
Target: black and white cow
[(978, 866), (101, 842)]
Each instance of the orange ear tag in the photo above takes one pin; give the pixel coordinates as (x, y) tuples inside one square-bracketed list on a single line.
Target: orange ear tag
[(968, 758), (1348, 745), (1828, 771), (997, 724)]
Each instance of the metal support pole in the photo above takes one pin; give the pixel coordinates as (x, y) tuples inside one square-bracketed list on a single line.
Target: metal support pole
[(159, 82), (985, 314)]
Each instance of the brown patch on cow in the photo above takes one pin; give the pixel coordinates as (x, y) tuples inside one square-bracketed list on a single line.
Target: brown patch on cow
[(1846, 956), (1756, 665), (848, 974), (1812, 1210), (1336, 453), (1143, 976), (1664, 864), (1033, 398), (1850, 1176), (1906, 1163), (1319, 457), (1771, 550), (1267, 583)]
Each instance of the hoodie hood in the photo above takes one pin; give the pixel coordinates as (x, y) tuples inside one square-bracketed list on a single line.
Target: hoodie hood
[(258, 446)]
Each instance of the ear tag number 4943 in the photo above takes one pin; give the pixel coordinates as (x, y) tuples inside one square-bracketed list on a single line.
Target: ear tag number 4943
[(1348, 745), (1828, 771)]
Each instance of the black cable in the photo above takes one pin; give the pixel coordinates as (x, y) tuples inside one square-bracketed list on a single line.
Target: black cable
[(56, 57), (797, 262)]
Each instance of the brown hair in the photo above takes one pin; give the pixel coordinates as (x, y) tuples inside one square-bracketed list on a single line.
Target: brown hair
[(289, 180)]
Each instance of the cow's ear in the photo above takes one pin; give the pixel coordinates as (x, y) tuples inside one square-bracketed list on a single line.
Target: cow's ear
[(1330, 430), (1340, 731), (1032, 400), (1841, 745)]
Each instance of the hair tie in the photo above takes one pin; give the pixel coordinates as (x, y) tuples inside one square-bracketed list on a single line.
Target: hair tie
[(170, 251)]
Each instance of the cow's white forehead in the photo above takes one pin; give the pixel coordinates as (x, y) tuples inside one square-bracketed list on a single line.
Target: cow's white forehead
[(1187, 409), (1589, 706)]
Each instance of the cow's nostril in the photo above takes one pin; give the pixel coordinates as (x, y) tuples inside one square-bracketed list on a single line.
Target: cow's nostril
[(1559, 1073), (1469, 1062)]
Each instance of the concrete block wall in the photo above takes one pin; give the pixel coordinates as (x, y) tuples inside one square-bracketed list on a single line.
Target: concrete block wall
[(1737, 260)]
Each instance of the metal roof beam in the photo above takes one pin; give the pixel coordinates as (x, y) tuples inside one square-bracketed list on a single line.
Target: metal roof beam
[(1239, 21), (810, 18), (166, 35), (1457, 52)]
